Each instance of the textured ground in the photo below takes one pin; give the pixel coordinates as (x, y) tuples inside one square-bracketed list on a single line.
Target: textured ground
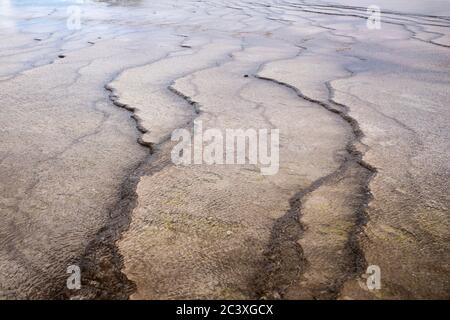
[(364, 138)]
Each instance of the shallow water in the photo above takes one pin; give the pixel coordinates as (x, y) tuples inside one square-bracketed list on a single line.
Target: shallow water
[(363, 122)]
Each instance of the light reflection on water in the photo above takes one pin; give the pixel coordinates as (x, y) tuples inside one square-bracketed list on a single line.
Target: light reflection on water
[(127, 3), (4, 4), (42, 15), (15, 13)]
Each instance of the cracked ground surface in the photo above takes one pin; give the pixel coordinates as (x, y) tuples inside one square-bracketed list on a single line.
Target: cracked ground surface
[(364, 138)]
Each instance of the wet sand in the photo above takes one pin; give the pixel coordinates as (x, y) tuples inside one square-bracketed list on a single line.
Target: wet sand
[(363, 179)]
